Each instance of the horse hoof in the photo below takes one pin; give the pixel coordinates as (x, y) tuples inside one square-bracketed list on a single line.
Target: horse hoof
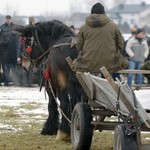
[(61, 136), (46, 132)]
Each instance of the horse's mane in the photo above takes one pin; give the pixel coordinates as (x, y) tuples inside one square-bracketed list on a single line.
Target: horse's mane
[(53, 28)]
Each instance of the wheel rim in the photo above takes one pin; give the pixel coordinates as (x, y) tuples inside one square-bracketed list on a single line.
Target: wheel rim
[(76, 129)]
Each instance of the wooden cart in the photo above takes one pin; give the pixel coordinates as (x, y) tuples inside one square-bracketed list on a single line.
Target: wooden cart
[(108, 98)]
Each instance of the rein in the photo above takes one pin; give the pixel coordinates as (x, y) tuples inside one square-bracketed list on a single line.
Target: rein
[(44, 53), (37, 38), (62, 44), (49, 49)]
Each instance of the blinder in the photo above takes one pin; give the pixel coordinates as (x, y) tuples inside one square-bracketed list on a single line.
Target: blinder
[(27, 62)]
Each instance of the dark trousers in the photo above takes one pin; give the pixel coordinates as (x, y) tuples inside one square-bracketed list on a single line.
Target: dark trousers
[(6, 72), (27, 78)]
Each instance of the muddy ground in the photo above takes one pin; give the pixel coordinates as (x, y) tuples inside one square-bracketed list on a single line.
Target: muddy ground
[(22, 114)]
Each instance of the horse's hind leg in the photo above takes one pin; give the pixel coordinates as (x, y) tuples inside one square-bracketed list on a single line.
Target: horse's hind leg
[(64, 128), (52, 122)]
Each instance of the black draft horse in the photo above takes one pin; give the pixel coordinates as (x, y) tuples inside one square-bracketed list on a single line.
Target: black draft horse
[(53, 40)]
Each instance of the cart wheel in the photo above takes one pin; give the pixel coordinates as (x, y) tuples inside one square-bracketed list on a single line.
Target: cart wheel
[(81, 127), (122, 141)]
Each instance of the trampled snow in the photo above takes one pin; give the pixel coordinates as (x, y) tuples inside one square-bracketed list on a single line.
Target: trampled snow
[(18, 96)]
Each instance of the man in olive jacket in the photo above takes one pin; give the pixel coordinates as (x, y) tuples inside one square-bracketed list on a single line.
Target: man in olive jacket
[(99, 43)]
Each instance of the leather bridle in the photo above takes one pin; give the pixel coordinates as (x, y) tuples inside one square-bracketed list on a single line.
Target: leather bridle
[(44, 52)]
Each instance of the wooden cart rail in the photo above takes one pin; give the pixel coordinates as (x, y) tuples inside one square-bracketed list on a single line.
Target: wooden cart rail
[(123, 71), (126, 71)]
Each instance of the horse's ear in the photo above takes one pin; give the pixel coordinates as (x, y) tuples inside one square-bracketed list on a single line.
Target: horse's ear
[(19, 30)]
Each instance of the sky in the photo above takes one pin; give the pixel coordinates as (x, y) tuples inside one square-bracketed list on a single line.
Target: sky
[(34, 7), (42, 7)]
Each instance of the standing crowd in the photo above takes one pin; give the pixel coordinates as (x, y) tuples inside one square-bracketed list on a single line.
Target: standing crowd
[(11, 53), (99, 42)]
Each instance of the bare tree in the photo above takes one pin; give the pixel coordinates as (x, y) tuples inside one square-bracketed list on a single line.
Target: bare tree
[(116, 2), (83, 6), (8, 8), (76, 6), (90, 3)]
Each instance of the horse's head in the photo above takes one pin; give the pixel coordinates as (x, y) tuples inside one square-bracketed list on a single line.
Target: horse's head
[(32, 48), (28, 34), (39, 39)]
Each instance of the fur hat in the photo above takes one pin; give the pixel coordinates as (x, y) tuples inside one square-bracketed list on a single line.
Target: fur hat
[(98, 8), (8, 17), (31, 19), (139, 30)]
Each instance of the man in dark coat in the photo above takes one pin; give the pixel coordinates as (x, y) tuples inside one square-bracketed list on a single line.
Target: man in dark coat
[(4, 41), (146, 66), (99, 43), (6, 29)]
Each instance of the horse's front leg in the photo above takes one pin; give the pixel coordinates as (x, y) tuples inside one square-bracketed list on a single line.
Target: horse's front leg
[(52, 122), (64, 128)]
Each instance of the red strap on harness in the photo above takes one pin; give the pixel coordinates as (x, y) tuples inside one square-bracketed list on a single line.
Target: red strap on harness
[(47, 74), (28, 49)]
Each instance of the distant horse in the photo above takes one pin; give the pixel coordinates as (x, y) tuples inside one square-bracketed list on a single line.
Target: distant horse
[(52, 41)]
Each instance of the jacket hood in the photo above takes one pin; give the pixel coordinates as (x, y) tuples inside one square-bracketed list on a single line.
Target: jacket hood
[(97, 20)]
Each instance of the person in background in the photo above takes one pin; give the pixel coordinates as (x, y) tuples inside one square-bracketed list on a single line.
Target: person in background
[(146, 65), (99, 43), (72, 28), (75, 30), (4, 41), (137, 49), (27, 75), (32, 21), (133, 33), (146, 37), (10, 64)]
